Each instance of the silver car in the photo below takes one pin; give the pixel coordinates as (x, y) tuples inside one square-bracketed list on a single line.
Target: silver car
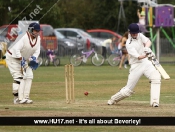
[(66, 46), (80, 36)]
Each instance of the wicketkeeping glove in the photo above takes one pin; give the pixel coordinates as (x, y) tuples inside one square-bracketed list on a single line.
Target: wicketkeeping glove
[(32, 58), (33, 64)]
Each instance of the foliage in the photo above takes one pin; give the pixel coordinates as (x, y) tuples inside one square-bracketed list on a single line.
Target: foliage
[(85, 14)]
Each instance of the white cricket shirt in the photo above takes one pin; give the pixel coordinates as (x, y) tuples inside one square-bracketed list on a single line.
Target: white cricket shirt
[(25, 47), (135, 48)]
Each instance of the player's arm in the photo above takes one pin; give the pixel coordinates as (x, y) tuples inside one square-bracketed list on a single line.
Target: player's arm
[(142, 57), (18, 46), (147, 43), (133, 52), (37, 52)]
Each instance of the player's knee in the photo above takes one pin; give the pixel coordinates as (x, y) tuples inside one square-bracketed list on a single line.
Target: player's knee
[(155, 77), (126, 92), (16, 84)]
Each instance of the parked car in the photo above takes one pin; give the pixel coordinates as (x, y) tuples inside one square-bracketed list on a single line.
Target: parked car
[(4, 39), (5, 33), (66, 46), (103, 33), (48, 38), (6, 29), (80, 36)]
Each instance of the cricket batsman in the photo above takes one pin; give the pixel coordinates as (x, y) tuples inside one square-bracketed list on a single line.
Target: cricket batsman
[(138, 48), (21, 60)]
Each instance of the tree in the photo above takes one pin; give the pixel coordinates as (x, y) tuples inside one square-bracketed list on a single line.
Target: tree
[(85, 14), (25, 10)]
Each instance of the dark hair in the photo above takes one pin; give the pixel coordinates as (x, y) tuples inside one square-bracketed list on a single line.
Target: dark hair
[(125, 34)]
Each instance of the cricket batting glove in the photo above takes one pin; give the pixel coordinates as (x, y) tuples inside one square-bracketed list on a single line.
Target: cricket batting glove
[(147, 50), (151, 55)]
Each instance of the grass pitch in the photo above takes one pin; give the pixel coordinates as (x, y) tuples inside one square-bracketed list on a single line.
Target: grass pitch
[(48, 94)]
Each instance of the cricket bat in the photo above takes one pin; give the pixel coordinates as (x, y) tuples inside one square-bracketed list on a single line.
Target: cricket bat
[(160, 69)]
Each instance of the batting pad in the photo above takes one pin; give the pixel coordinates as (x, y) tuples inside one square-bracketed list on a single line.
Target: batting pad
[(33, 64), (123, 93)]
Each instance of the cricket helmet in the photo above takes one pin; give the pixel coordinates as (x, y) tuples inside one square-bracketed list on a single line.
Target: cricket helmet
[(133, 28), (34, 26)]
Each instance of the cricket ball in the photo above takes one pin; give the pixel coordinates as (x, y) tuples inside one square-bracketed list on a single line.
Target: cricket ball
[(86, 93)]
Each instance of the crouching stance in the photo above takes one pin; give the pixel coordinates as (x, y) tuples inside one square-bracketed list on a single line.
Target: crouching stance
[(138, 46), (24, 50), (26, 82)]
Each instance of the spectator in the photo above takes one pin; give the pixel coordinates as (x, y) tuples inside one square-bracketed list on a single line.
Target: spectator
[(141, 23), (124, 51), (112, 43), (50, 54)]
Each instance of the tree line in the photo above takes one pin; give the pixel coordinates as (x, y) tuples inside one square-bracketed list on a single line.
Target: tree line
[(84, 14)]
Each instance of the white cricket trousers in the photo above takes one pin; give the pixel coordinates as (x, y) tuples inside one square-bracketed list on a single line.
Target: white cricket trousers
[(137, 70), (14, 66)]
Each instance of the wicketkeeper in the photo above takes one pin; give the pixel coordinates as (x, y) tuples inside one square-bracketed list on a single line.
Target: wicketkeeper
[(138, 49), (21, 60)]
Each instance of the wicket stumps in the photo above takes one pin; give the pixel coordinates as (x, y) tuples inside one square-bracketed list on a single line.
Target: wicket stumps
[(69, 83)]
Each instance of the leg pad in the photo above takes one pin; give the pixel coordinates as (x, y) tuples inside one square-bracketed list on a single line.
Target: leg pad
[(155, 88), (123, 93)]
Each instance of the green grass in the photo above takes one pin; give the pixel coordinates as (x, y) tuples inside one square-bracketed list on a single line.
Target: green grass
[(48, 93)]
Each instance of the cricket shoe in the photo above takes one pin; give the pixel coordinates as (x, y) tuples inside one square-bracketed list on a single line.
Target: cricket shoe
[(23, 101), (16, 100), (29, 101), (155, 104), (111, 102)]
